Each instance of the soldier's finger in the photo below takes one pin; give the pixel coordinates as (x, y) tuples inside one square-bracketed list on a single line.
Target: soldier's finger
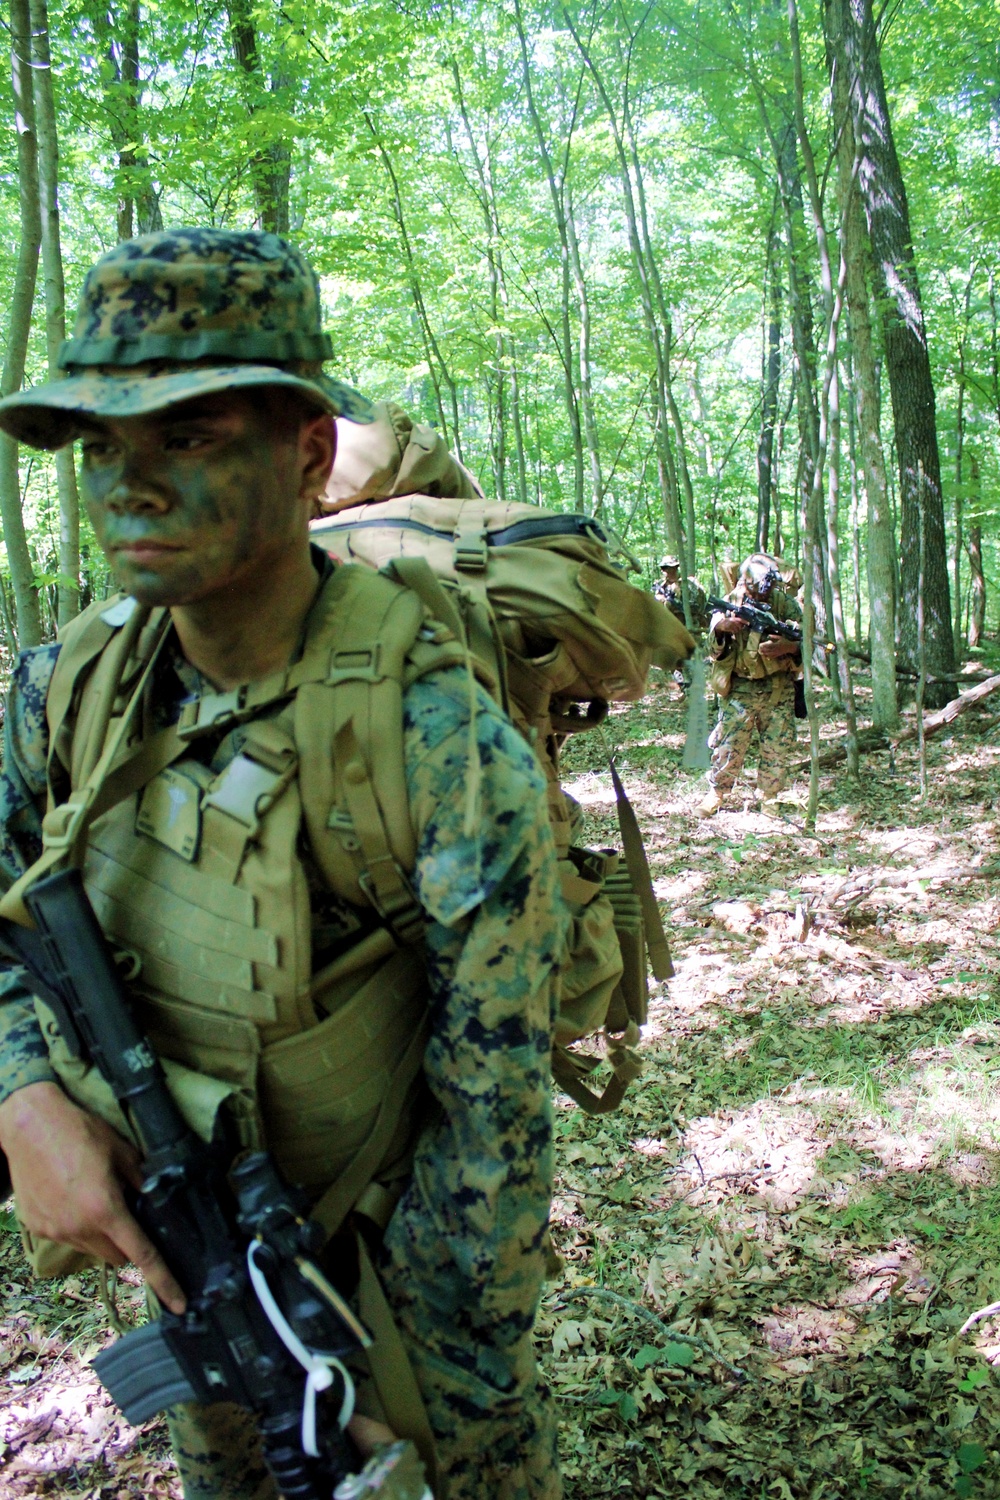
[(369, 1434), (140, 1250)]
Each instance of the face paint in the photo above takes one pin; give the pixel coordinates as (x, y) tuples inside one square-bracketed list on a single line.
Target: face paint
[(195, 501)]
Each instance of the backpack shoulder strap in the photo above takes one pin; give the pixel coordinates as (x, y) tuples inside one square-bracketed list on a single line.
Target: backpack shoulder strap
[(368, 640)]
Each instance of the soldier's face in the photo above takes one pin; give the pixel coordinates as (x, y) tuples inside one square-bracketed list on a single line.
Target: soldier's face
[(671, 575), (204, 498)]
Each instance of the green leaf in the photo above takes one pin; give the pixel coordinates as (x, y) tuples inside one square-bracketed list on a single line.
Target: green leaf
[(973, 1379), (964, 1486), (8, 1222), (648, 1355), (606, 1398), (681, 1355), (970, 1456), (628, 1407)]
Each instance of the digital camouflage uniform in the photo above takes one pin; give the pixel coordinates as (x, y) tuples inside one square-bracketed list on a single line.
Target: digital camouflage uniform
[(463, 1256), (760, 701), (670, 595)]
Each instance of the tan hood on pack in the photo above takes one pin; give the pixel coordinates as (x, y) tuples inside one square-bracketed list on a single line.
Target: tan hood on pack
[(392, 456)]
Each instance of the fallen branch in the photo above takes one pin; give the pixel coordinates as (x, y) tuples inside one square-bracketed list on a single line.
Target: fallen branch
[(878, 739), (976, 1317), (602, 1295), (853, 890), (912, 675)]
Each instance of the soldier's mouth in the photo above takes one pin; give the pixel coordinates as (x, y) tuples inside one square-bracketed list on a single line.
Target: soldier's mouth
[(145, 552)]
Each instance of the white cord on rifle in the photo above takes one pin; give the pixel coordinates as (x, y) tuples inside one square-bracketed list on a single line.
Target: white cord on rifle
[(319, 1368)]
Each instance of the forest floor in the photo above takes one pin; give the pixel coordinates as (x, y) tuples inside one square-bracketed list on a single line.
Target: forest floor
[(770, 1249)]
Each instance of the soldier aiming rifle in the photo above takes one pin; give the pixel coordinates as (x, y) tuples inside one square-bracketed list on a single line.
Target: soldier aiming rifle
[(755, 641)]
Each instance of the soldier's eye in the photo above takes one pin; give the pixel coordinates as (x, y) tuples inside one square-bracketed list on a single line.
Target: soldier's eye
[(98, 450)]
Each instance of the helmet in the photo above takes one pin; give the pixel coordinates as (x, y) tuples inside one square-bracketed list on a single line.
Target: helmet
[(670, 562), (760, 574), (183, 313)]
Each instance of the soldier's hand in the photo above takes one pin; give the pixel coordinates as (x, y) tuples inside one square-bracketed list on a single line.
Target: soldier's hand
[(68, 1168), (777, 645), (369, 1435)]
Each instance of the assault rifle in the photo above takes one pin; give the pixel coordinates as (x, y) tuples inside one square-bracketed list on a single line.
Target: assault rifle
[(264, 1327), (757, 619)]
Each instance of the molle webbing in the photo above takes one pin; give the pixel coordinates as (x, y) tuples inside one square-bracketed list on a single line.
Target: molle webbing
[(199, 877)]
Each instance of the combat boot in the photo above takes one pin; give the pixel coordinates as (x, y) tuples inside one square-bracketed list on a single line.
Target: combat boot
[(711, 804)]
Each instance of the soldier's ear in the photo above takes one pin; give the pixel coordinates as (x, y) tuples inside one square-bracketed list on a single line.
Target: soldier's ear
[(317, 451)]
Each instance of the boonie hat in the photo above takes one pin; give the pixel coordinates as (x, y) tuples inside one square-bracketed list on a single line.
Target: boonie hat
[(670, 562), (184, 313)]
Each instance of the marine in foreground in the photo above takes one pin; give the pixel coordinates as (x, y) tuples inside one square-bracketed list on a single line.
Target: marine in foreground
[(386, 1037)]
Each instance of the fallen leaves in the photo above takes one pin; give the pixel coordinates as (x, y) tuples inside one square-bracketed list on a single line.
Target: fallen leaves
[(812, 1152)]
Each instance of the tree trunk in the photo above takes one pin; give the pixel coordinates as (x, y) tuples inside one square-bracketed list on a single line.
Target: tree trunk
[(689, 549), (769, 381), (586, 382), (138, 199), (881, 530), (271, 166), (851, 31), (436, 364), (829, 412), (666, 468), (959, 445), (557, 195), (959, 448), (68, 597), (974, 547), (497, 388), (22, 572), (855, 517)]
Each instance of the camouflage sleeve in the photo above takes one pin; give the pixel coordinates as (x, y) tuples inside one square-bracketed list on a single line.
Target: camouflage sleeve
[(23, 1054), (790, 609), (25, 753), (464, 1255)]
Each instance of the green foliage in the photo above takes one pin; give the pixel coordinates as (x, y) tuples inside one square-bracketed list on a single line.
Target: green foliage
[(416, 184)]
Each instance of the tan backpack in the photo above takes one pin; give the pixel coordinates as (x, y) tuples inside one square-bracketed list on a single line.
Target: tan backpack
[(544, 609)]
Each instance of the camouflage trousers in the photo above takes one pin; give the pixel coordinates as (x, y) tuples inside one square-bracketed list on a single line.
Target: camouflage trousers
[(219, 1455), (767, 709)]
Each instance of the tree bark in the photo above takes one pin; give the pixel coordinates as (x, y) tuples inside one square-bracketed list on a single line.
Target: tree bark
[(497, 388), (138, 199), (271, 166), (68, 595), (974, 547), (854, 521), (665, 463), (22, 572), (851, 31), (770, 380), (829, 411), (557, 183), (881, 549), (959, 453)]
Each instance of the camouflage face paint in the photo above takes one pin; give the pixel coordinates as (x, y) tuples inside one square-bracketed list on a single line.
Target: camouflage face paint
[(195, 501)]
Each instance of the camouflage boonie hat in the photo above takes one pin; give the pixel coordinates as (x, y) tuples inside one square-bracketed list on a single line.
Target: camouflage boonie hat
[(183, 313), (670, 562)]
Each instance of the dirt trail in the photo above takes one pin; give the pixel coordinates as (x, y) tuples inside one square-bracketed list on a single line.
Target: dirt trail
[(804, 1188)]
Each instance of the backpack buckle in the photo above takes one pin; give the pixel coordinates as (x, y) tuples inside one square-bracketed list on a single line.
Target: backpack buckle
[(361, 665), (212, 712), (471, 552), (391, 894)]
